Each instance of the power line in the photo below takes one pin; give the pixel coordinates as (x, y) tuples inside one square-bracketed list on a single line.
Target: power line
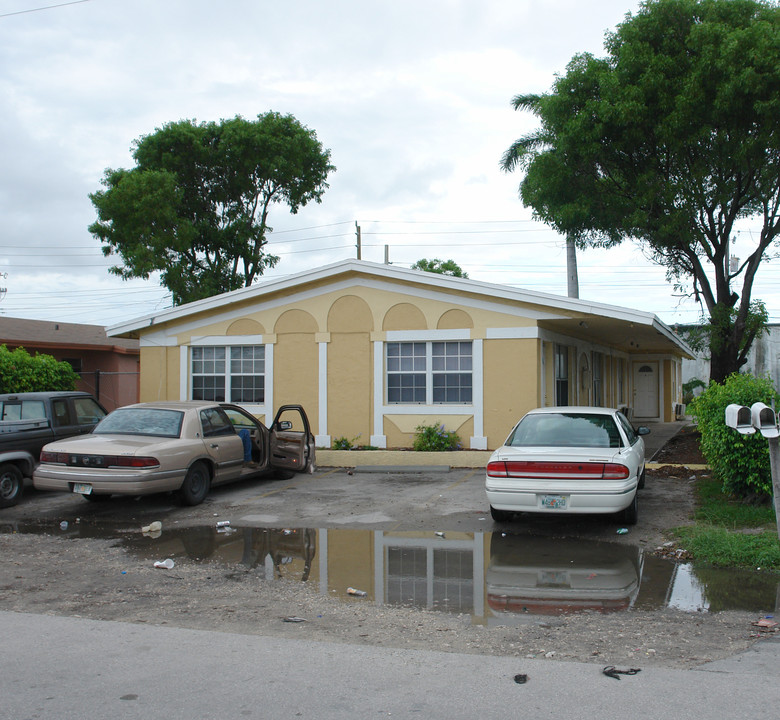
[(454, 232), (45, 7)]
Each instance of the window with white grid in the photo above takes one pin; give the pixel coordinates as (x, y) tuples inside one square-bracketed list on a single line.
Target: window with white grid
[(406, 372), (451, 374), (247, 374), (429, 372), (208, 373), (235, 373)]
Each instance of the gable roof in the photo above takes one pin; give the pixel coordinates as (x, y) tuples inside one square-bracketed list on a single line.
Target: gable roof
[(572, 316)]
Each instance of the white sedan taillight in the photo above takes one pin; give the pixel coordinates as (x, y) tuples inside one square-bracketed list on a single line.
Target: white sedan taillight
[(548, 469)]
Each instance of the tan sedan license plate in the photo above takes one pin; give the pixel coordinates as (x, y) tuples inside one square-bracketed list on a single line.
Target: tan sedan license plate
[(82, 488), (554, 502)]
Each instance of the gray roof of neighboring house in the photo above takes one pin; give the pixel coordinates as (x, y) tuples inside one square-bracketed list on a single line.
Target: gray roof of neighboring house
[(45, 333)]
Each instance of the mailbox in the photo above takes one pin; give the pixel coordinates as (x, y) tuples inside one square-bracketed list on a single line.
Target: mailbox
[(740, 418), (764, 420)]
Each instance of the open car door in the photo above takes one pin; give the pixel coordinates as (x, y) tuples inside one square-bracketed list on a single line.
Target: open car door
[(291, 439)]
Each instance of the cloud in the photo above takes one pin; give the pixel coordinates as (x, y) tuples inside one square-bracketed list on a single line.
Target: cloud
[(412, 99)]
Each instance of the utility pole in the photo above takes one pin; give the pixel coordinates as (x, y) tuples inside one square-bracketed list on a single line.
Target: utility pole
[(387, 254), (359, 242), (571, 268)]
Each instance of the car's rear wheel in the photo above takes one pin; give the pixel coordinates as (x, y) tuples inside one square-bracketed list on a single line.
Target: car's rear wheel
[(196, 485), (631, 514), (500, 515), (11, 485)]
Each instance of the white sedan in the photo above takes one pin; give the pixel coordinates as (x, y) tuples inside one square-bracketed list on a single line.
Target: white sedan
[(184, 447), (568, 460)]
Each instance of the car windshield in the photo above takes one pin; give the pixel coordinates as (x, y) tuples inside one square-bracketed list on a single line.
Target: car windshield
[(566, 430), (141, 421)]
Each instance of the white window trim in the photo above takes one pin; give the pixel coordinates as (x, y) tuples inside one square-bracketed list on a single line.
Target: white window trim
[(226, 341), (475, 408), (460, 408), (426, 335)]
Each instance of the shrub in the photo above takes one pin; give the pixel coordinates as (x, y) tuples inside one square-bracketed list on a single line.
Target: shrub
[(22, 372), (740, 462), (342, 443), (435, 438), (689, 389)]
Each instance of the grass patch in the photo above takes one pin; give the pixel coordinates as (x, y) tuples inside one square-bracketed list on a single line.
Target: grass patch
[(715, 508), (720, 547), (719, 538)]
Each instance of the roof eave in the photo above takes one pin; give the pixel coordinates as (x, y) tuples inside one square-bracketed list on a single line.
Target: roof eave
[(436, 280)]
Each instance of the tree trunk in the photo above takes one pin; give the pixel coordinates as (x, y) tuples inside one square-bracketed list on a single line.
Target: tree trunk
[(724, 358)]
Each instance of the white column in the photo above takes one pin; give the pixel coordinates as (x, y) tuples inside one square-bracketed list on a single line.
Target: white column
[(269, 384), (184, 373), (322, 439), (478, 441), (379, 440)]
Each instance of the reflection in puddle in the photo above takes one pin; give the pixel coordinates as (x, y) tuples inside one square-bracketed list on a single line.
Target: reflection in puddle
[(544, 577), (496, 578)]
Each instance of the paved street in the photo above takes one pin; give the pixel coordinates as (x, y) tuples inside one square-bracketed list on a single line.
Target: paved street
[(74, 668)]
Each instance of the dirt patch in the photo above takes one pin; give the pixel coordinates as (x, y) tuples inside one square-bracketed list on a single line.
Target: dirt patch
[(84, 577), (682, 449)]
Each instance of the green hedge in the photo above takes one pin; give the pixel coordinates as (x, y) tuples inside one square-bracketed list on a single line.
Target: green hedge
[(739, 462), (435, 438), (22, 372)]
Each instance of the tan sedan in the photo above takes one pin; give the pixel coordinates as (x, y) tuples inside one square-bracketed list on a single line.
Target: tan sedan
[(184, 447)]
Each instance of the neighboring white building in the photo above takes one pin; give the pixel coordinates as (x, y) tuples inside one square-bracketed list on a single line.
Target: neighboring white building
[(763, 360)]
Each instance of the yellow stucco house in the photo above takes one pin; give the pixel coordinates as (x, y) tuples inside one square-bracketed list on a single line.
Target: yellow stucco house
[(372, 351)]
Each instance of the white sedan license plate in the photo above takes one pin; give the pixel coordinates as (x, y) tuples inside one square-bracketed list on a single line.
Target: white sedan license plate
[(82, 488), (554, 502)]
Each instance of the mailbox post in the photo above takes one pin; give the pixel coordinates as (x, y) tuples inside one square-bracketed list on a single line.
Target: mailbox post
[(762, 418)]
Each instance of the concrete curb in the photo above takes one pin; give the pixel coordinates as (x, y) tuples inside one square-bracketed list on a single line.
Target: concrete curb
[(411, 461), (659, 465), (421, 461), (402, 468)]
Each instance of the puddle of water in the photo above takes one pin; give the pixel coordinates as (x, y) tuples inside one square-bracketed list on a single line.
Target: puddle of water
[(496, 578)]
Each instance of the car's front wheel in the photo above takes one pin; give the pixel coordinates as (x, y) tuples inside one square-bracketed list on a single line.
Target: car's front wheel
[(500, 515), (196, 485), (11, 485)]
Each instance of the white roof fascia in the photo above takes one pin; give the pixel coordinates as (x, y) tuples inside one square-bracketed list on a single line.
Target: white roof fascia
[(417, 276)]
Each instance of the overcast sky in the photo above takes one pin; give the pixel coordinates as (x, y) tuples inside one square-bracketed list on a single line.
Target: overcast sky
[(413, 99)]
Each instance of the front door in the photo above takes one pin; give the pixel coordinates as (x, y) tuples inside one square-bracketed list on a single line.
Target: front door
[(646, 389)]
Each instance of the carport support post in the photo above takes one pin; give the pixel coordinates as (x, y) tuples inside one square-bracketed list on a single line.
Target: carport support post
[(774, 464)]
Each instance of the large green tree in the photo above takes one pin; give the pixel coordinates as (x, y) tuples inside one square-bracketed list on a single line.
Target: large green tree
[(442, 267), (195, 207), (670, 140)]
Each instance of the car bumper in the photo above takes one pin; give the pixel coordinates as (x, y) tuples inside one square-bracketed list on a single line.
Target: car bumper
[(108, 482), (522, 496)]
